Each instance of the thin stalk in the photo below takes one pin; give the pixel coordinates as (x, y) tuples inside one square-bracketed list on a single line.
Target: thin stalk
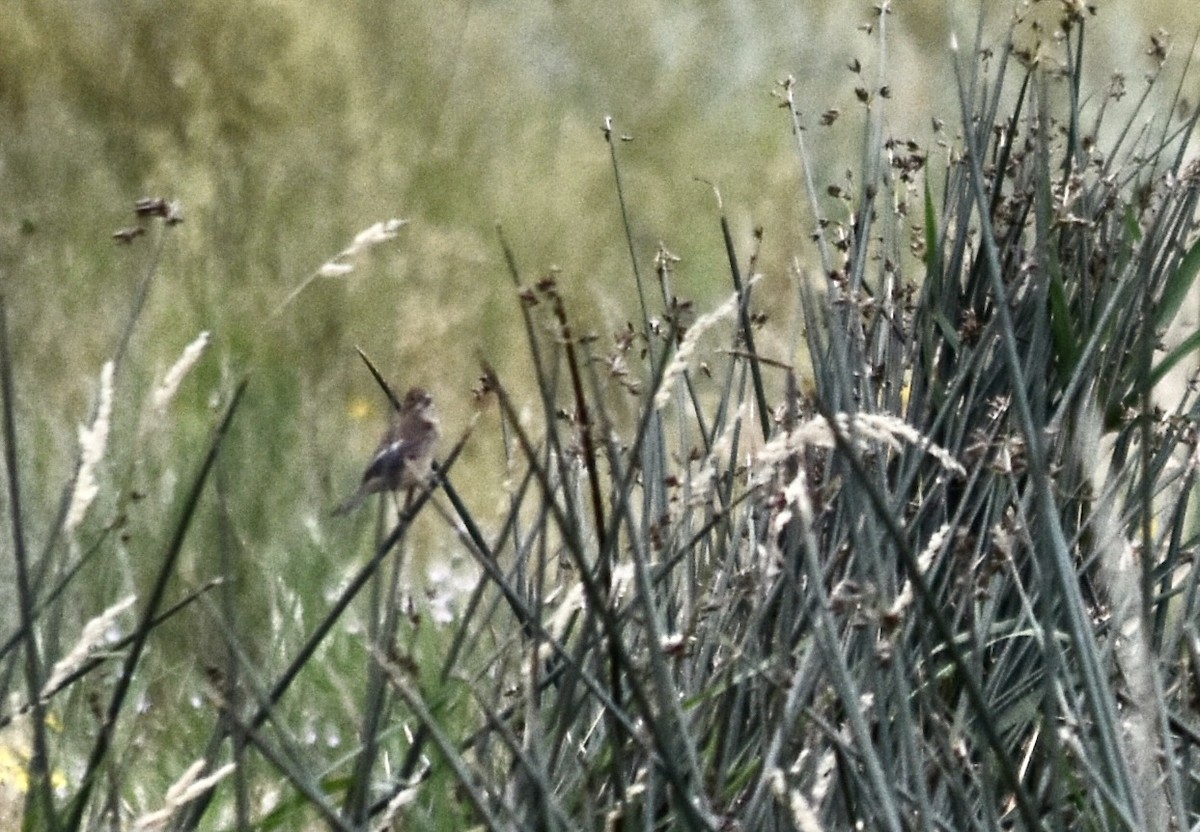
[(41, 794)]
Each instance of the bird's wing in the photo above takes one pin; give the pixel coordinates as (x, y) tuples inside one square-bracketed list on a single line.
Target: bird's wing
[(389, 460)]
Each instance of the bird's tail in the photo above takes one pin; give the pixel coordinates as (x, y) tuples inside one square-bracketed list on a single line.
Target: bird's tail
[(351, 503)]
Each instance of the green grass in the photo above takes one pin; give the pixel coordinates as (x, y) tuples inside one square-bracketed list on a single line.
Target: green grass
[(937, 572)]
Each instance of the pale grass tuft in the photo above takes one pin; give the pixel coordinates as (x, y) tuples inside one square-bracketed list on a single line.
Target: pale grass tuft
[(575, 600), (1134, 658), (342, 263), (904, 597), (186, 789), (813, 432), (795, 493), (803, 816), (403, 798), (687, 347), (378, 233), (166, 391), (94, 633), (826, 769), (702, 483), (92, 442), (891, 430), (860, 428), (332, 269), (449, 584)]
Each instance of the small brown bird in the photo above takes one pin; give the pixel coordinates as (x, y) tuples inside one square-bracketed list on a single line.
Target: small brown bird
[(404, 456)]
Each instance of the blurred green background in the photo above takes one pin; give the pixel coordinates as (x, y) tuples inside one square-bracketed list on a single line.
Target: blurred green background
[(283, 129)]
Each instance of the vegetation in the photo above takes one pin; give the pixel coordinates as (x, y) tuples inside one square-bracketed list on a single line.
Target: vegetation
[(929, 565)]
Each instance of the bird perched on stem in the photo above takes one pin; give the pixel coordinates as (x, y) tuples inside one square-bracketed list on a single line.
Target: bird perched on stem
[(404, 456)]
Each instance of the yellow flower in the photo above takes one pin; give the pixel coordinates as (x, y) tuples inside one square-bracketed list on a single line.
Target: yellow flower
[(359, 408), (15, 753)]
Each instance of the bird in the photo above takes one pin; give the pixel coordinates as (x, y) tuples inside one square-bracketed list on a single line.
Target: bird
[(404, 457)]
